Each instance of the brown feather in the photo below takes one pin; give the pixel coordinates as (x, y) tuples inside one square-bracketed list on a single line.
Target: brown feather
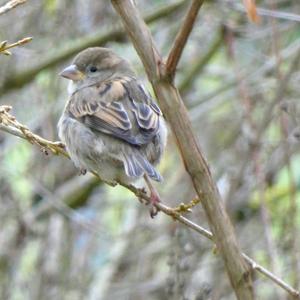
[(120, 107)]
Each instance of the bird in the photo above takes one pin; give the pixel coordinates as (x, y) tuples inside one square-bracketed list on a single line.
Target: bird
[(111, 124)]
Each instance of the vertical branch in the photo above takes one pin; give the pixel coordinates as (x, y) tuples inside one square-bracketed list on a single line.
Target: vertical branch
[(194, 161), (182, 37)]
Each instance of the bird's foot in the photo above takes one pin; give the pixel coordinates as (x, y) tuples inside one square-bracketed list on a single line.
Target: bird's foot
[(82, 171), (154, 197), (143, 201), (154, 200), (59, 144), (111, 183)]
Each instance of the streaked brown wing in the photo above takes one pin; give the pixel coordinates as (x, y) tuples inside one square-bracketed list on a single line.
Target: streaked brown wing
[(121, 108)]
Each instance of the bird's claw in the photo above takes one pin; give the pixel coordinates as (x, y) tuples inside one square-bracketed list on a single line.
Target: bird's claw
[(141, 199), (154, 200), (111, 183), (153, 211), (59, 144), (82, 171)]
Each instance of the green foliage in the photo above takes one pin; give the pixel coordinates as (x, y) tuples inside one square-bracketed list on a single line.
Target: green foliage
[(51, 6)]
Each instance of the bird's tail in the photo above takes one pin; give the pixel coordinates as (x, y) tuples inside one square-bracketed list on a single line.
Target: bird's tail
[(136, 165)]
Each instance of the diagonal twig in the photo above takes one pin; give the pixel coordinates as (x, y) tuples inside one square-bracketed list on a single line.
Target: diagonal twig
[(10, 5), (4, 46), (9, 124), (181, 38)]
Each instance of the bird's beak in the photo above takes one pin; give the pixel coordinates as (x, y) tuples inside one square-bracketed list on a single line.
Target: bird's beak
[(71, 72)]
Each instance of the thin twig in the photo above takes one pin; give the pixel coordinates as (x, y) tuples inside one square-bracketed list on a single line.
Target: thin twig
[(181, 38), (293, 292), (9, 124), (277, 14), (10, 5), (4, 46)]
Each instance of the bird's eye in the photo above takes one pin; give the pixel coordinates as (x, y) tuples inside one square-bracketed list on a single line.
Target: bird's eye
[(93, 69)]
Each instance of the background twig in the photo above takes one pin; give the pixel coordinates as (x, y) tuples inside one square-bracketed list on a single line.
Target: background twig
[(10, 5), (182, 37)]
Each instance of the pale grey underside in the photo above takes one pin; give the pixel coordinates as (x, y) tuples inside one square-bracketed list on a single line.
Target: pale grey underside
[(96, 151)]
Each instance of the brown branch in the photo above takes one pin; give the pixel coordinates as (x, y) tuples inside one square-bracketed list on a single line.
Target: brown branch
[(9, 124), (182, 37), (15, 129), (293, 292), (194, 161), (10, 5)]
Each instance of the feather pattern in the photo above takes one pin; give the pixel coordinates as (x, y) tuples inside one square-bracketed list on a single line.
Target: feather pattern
[(108, 107), (111, 124)]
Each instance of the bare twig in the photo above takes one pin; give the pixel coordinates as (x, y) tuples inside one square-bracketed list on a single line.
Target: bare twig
[(10, 124), (10, 5), (277, 14), (8, 121), (294, 293), (4, 46), (181, 38)]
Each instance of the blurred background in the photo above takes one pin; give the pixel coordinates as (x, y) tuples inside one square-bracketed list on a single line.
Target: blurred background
[(64, 236)]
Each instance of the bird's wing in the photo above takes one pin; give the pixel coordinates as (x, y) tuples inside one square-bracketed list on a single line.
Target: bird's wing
[(120, 107)]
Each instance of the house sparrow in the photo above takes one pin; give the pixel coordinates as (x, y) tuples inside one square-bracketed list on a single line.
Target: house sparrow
[(110, 124)]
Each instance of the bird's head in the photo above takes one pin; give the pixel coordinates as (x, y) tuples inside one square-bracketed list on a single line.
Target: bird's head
[(95, 65)]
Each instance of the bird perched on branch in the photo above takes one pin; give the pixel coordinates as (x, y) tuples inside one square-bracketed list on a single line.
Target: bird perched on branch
[(110, 123)]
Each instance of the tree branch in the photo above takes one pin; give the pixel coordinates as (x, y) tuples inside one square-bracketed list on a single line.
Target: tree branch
[(10, 5), (182, 37), (9, 124), (68, 193), (194, 161)]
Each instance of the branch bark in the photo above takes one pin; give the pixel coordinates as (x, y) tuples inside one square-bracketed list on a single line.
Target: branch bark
[(195, 164), (4, 46), (182, 37)]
